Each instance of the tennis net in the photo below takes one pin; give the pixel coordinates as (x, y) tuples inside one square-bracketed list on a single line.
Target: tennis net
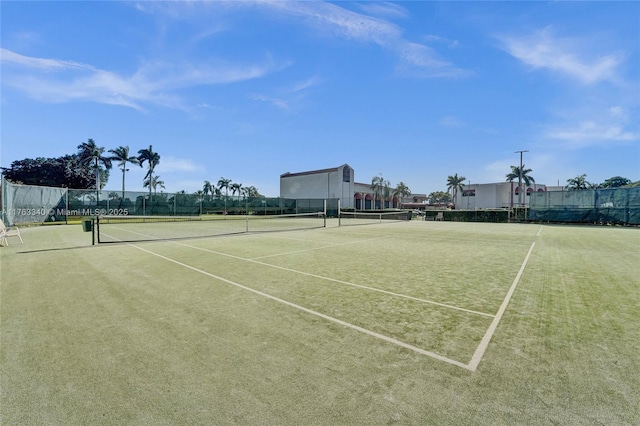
[(349, 218), (118, 229)]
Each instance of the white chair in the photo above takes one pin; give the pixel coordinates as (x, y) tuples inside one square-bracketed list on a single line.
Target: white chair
[(440, 216), (5, 232)]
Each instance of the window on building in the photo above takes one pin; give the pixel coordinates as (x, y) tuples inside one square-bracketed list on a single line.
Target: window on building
[(346, 174)]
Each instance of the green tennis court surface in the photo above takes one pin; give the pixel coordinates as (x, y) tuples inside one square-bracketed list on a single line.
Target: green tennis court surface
[(410, 323)]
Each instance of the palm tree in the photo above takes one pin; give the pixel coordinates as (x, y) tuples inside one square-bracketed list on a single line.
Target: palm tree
[(250, 191), (90, 155), (522, 174), (224, 183), (578, 183), (208, 188), (379, 186), (121, 154), (455, 183), (235, 187), (152, 159), (153, 182), (386, 193), (401, 190)]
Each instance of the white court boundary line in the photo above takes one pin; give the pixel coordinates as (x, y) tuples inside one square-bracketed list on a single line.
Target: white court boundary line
[(312, 312), (484, 343)]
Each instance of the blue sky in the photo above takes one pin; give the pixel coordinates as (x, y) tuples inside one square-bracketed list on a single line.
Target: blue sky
[(415, 91)]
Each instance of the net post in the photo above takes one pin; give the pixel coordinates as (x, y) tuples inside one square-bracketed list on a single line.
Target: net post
[(93, 231), (246, 213), (324, 213)]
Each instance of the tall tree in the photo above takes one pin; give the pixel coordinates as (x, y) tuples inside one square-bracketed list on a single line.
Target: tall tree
[(439, 197), (250, 191), (208, 188), (615, 182), (401, 190), (224, 184), (578, 183), (153, 182), (235, 187), (152, 158), (523, 175), (379, 186), (59, 172), (455, 184), (121, 154), (91, 156)]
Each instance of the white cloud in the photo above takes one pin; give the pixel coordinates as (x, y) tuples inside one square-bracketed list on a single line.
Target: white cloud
[(452, 121), (289, 97), (277, 102), (439, 39), (587, 133), (305, 84), (340, 22), (594, 128), (384, 9), (45, 64), (54, 80), (568, 56), (497, 170), (418, 59)]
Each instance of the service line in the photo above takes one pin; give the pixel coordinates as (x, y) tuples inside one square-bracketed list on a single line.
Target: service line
[(312, 312)]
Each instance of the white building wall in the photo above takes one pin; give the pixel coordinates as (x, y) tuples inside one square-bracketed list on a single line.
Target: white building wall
[(320, 184), (493, 195)]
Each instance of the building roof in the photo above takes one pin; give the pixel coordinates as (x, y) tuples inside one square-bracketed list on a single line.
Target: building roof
[(313, 172)]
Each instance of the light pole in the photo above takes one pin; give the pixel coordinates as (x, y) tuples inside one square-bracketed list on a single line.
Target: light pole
[(520, 178)]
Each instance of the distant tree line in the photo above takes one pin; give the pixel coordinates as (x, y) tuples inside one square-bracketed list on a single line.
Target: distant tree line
[(383, 191), (89, 168), (522, 174)]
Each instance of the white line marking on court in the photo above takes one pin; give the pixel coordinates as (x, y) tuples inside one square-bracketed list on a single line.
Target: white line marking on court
[(430, 302), (312, 312), (539, 231), (484, 343)]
